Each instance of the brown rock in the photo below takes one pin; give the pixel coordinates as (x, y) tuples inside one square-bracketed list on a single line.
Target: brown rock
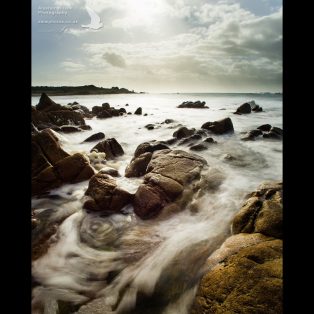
[(168, 174), (219, 127), (95, 137), (249, 281), (73, 169), (70, 129), (106, 195), (138, 165), (110, 147), (262, 212), (183, 132), (47, 104), (50, 148), (149, 147)]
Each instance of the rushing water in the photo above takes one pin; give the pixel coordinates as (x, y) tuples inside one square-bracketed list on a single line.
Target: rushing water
[(121, 262)]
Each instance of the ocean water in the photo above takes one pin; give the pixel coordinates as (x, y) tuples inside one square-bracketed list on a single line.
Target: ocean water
[(121, 262)]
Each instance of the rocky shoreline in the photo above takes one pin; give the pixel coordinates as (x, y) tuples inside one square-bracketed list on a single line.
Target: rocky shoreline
[(242, 275)]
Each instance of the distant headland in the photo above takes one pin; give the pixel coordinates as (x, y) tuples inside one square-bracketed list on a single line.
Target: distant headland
[(79, 90)]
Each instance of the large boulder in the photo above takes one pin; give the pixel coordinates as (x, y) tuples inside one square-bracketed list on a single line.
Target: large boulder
[(110, 147), (244, 108), (219, 127), (71, 169), (247, 280), (105, 195), (52, 166), (168, 175), (262, 212), (47, 104)]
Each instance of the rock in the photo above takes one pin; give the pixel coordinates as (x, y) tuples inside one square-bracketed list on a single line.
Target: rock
[(249, 281), (69, 129), (57, 118), (47, 104), (105, 195), (97, 109), (264, 127), (138, 111), (210, 140), (110, 171), (114, 112), (198, 147), (110, 147), (229, 157), (172, 141), (103, 114), (71, 169), (201, 132), (46, 150), (257, 109), (85, 127), (219, 127), (145, 114), (196, 105), (149, 127), (168, 174), (243, 109), (149, 147), (129, 112), (167, 121), (192, 138), (95, 137), (261, 213), (274, 133), (251, 135), (105, 105), (183, 132), (138, 165), (122, 110), (52, 166), (276, 130), (126, 105)]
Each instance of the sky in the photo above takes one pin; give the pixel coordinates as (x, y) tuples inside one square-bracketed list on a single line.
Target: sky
[(159, 45)]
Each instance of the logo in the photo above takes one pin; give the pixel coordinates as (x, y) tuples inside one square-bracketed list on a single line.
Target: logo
[(95, 22)]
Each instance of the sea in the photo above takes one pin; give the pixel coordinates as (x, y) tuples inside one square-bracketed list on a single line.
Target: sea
[(122, 264)]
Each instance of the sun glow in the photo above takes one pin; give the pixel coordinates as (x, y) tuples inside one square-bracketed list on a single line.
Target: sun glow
[(141, 12)]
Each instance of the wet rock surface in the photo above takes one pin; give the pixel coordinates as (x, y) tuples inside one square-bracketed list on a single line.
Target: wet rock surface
[(194, 104), (222, 126), (245, 274), (110, 147), (167, 175), (105, 195)]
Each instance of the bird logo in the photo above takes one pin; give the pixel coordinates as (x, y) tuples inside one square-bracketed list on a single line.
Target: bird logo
[(95, 22)]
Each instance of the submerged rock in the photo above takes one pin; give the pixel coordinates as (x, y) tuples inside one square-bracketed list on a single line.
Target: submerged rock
[(138, 111), (244, 108), (69, 129), (168, 174), (219, 127), (95, 137), (199, 147), (105, 195), (196, 104), (183, 132), (110, 147), (264, 127)]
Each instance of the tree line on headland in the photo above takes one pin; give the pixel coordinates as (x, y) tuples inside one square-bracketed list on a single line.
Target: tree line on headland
[(79, 90)]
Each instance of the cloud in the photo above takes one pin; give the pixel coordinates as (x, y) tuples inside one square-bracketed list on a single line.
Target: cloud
[(71, 66), (114, 59)]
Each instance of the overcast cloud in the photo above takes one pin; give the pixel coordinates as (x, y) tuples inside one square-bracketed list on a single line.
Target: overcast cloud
[(161, 45)]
